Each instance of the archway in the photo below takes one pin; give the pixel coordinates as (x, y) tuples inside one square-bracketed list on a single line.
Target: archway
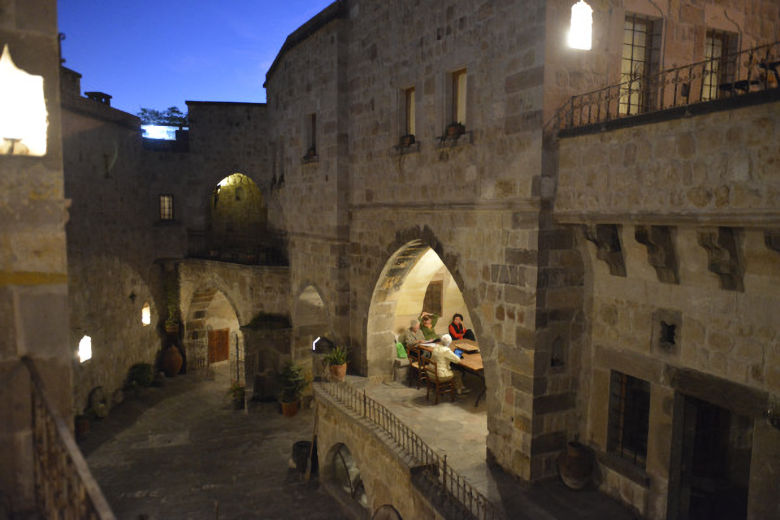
[(343, 474), (310, 321), (413, 279), (237, 219), (213, 337)]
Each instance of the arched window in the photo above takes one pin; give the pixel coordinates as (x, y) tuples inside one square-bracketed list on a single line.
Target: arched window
[(146, 314), (85, 349), (581, 29)]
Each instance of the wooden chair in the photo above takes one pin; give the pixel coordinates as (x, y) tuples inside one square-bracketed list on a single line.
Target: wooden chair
[(417, 362), (440, 387)]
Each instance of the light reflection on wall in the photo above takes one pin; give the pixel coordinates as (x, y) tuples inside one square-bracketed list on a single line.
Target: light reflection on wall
[(23, 116)]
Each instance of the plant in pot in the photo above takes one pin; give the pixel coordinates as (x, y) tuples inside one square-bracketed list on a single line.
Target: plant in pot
[(291, 385), (455, 130), (237, 393), (337, 361)]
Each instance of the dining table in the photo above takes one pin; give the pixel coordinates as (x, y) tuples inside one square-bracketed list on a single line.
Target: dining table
[(471, 361)]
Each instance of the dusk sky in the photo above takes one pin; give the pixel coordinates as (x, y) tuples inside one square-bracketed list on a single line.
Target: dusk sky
[(156, 54)]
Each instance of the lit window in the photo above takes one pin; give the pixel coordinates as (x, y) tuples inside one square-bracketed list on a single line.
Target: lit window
[(459, 97), (146, 314), (166, 207), (629, 412), (23, 117), (85, 349), (409, 124), (640, 36), (719, 67), (581, 29)]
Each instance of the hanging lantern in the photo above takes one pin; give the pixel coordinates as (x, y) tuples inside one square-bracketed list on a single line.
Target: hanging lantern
[(581, 29), (23, 117)]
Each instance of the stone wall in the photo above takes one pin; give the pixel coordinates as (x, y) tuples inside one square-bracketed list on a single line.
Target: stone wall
[(721, 165), (384, 469), (33, 272), (683, 235)]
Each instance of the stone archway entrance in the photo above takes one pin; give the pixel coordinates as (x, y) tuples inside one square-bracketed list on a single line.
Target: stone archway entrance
[(310, 321), (413, 279), (213, 337)]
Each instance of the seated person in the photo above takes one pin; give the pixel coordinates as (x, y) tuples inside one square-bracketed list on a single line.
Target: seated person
[(443, 356), (428, 324), (458, 331), (412, 337)]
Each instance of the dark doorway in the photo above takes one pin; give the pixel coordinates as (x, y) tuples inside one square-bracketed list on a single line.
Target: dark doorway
[(219, 345), (714, 462)]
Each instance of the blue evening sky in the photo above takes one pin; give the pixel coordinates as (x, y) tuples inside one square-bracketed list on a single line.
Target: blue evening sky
[(158, 53)]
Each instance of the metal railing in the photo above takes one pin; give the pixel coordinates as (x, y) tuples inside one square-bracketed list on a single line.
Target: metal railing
[(731, 75), (64, 486), (448, 489)]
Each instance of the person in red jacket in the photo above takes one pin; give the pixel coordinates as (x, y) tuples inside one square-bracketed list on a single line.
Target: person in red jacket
[(458, 331)]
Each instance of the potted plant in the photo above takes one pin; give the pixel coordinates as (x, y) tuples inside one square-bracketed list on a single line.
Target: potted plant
[(337, 360), (455, 130), (237, 393), (407, 140), (291, 384)]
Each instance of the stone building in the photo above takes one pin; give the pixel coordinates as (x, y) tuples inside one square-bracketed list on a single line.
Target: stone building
[(616, 252)]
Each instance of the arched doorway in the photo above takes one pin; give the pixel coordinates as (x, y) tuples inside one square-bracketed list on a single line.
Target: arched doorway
[(413, 279), (237, 219), (213, 337), (343, 474), (310, 321)]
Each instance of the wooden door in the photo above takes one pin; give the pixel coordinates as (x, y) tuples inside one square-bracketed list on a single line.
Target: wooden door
[(219, 345)]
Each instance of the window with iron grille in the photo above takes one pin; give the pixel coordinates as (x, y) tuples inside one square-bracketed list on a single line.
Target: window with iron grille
[(458, 102), (409, 108), (639, 61), (166, 207), (719, 67), (629, 411)]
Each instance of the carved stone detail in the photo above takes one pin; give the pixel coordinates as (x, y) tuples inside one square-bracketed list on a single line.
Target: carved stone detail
[(724, 259), (660, 251), (607, 240)]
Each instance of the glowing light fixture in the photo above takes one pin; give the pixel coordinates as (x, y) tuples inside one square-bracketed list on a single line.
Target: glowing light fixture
[(581, 29), (85, 349), (146, 314), (23, 117)]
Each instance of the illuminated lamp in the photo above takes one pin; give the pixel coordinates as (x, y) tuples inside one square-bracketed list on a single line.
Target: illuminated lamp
[(85, 349), (23, 117), (146, 314), (581, 29)]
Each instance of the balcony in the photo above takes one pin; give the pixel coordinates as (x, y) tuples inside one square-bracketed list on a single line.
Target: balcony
[(748, 77)]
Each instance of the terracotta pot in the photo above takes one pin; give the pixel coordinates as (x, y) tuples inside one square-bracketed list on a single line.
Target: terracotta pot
[(576, 465), (338, 372), (171, 361), (290, 409)]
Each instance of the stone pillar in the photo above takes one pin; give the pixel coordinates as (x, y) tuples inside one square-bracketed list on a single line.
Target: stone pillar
[(33, 267)]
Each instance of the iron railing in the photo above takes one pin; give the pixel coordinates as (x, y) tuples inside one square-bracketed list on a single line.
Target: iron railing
[(731, 75), (445, 487), (64, 486)]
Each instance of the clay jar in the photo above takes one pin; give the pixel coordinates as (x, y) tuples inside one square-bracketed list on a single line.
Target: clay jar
[(576, 465), (171, 361)]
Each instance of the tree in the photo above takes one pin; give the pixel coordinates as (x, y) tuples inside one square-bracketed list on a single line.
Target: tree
[(170, 117)]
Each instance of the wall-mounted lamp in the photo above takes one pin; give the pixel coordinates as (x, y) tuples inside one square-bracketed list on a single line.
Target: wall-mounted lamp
[(581, 29), (23, 116)]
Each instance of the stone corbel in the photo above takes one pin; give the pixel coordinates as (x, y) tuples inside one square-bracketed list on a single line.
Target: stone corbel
[(660, 251), (607, 240), (772, 239), (723, 256)]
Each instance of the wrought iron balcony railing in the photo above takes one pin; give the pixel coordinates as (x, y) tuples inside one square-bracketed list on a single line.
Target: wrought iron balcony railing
[(64, 486), (444, 486), (732, 75)]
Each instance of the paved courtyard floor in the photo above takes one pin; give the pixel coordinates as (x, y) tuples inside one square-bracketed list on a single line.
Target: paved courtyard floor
[(181, 452)]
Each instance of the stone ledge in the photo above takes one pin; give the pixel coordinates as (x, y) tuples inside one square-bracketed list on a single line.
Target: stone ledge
[(623, 467)]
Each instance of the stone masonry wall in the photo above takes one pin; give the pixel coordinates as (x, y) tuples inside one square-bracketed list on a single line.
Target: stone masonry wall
[(721, 165), (385, 471), (33, 265)]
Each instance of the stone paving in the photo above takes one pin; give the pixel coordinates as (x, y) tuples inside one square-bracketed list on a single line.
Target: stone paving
[(182, 452)]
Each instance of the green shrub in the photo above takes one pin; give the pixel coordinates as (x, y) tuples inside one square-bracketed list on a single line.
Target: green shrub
[(140, 374)]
